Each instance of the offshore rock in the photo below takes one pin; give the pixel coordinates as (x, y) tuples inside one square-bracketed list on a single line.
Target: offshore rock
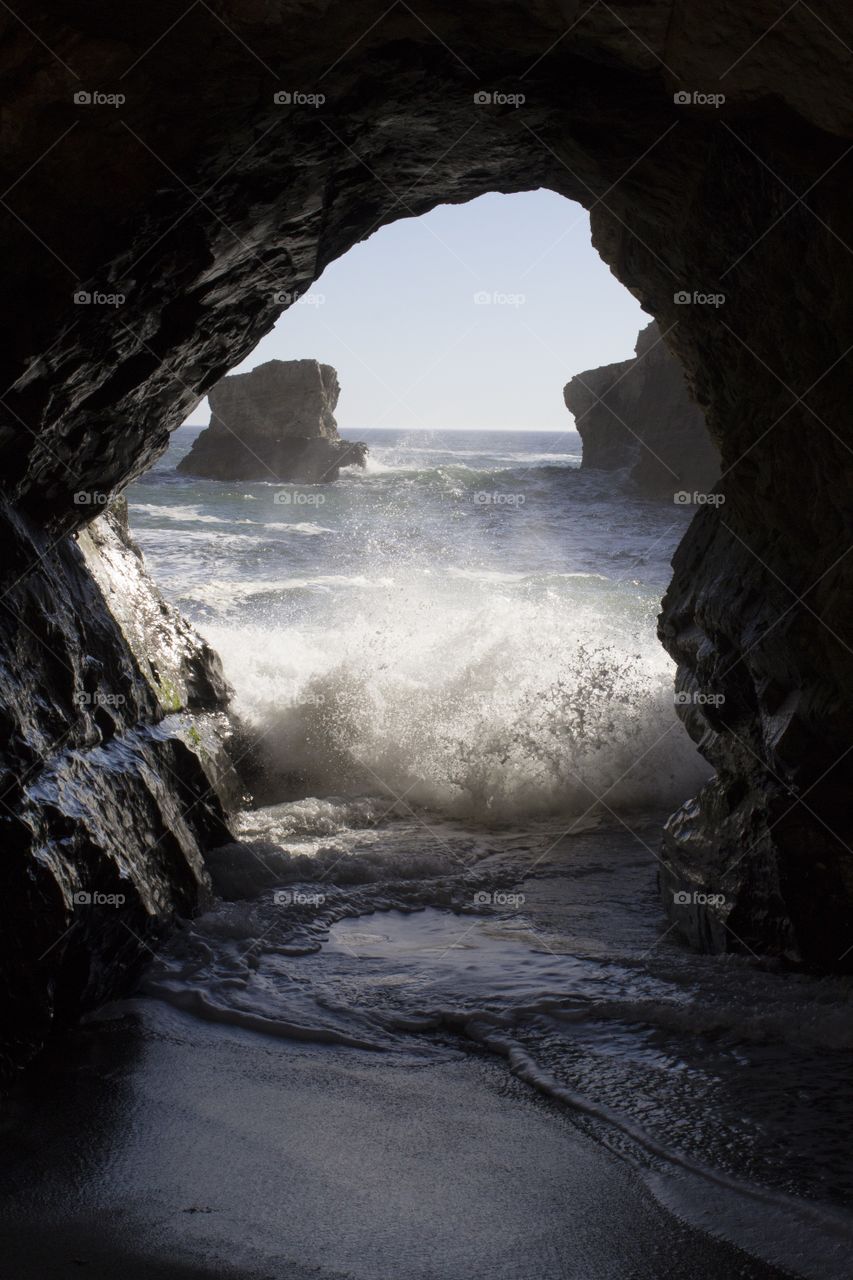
[(639, 414), (275, 423)]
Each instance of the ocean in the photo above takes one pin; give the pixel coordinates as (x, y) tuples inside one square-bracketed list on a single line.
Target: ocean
[(471, 620), (462, 730)]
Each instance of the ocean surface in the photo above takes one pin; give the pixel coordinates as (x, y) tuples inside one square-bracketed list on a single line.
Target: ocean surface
[(463, 728)]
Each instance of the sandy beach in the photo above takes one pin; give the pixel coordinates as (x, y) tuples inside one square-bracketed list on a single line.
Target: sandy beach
[(162, 1147)]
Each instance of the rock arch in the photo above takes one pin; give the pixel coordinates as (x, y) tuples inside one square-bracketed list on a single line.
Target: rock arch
[(185, 165)]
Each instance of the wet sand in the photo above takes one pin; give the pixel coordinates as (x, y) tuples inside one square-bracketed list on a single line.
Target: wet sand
[(153, 1145)]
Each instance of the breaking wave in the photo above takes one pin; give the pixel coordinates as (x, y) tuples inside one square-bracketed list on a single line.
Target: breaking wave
[(493, 697)]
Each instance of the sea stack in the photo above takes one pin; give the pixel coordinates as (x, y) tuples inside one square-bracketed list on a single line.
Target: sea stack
[(639, 413), (275, 423)]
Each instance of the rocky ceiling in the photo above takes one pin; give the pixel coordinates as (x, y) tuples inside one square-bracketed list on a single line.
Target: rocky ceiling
[(173, 175)]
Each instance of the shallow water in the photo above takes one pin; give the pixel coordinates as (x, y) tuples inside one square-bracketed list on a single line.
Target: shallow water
[(467, 725)]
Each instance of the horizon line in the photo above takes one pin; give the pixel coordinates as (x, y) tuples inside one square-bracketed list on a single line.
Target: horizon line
[(555, 431)]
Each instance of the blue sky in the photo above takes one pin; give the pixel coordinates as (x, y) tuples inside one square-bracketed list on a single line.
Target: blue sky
[(398, 318)]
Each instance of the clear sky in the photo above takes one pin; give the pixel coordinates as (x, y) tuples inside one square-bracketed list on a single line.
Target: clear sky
[(398, 319)]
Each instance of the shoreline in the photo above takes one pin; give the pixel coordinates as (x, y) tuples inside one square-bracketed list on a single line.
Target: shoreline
[(154, 1145)]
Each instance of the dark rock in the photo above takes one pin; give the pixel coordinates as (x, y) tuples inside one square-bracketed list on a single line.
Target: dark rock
[(182, 217), (639, 414), (768, 837), (182, 669), (106, 802), (275, 423)]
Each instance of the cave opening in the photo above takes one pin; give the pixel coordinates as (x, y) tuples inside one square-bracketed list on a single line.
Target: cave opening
[(683, 182), (330, 1073), (464, 629)]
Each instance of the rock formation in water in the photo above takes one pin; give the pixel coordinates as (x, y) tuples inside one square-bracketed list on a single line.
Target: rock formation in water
[(275, 423), (639, 414), (160, 207)]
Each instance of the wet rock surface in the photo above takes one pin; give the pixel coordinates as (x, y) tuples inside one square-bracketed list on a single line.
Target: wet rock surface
[(193, 191), (639, 414), (106, 800), (275, 423), (759, 664), (180, 666)]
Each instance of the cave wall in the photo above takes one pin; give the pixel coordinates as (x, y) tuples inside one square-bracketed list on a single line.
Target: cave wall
[(113, 774), (171, 181)]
